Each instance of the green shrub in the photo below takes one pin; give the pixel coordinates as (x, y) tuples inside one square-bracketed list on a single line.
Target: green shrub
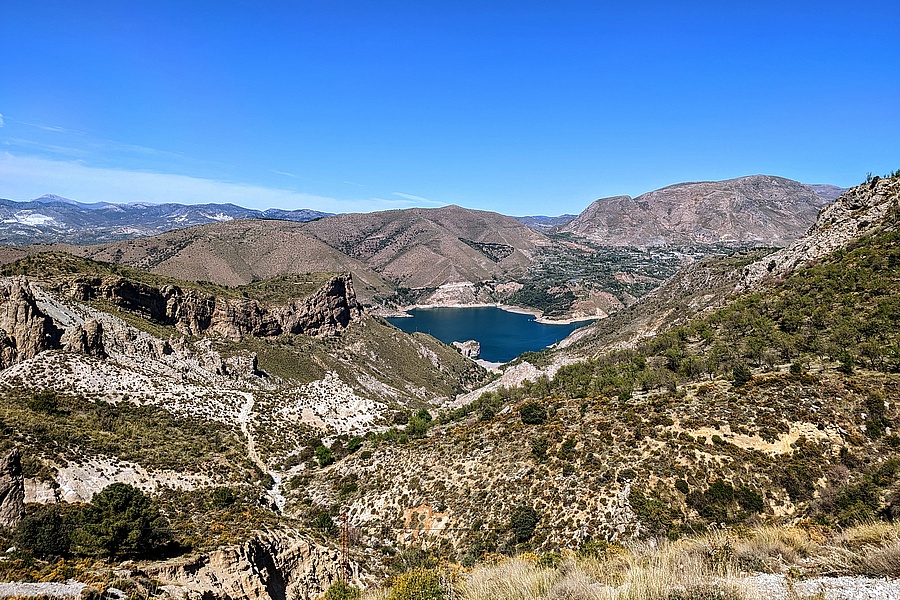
[(533, 413), (341, 591), (523, 522), (418, 427), (749, 500), (418, 584), (223, 496), (682, 486), (539, 449), (656, 516), (354, 444), (323, 523), (45, 401), (324, 456)]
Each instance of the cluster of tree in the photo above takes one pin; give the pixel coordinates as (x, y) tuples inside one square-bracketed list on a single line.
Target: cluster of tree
[(539, 297), (120, 521)]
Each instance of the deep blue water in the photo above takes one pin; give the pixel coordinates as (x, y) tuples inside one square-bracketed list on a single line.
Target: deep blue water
[(503, 335)]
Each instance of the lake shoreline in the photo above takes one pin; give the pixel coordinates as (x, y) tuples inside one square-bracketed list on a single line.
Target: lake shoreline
[(403, 312), (502, 333)]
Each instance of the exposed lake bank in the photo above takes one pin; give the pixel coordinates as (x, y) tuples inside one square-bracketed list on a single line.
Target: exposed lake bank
[(521, 310)]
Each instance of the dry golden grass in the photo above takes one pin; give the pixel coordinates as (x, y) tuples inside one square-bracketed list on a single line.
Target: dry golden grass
[(708, 567)]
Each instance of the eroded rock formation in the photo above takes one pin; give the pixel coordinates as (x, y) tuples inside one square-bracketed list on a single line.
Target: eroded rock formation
[(278, 565), (86, 338), (469, 349), (12, 490), (24, 329), (193, 312)]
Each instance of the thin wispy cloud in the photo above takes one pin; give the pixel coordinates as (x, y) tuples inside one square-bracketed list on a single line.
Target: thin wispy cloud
[(286, 174), (27, 177), (1, 119), (417, 199), (53, 128)]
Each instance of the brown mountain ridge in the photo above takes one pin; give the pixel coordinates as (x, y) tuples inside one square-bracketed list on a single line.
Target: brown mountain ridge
[(758, 210)]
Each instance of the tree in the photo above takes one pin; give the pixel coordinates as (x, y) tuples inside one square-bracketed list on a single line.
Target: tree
[(741, 374), (120, 521), (533, 413), (523, 522), (45, 531), (324, 456)]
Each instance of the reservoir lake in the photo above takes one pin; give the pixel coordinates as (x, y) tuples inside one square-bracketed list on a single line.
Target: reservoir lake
[(503, 335)]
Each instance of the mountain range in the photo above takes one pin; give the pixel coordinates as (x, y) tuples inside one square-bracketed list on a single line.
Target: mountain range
[(52, 218), (449, 255), (758, 210)]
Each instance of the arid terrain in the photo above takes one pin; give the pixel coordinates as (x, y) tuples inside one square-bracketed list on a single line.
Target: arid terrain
[(729, 431)]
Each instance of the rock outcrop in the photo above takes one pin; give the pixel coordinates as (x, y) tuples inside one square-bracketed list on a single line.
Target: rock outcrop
[(12, 490), (86, 338), (469, 349), (25, 330), (857, 212), (193, 312), (278, 565)]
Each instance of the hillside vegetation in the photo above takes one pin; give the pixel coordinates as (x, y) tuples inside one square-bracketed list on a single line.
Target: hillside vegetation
[(779, 406)]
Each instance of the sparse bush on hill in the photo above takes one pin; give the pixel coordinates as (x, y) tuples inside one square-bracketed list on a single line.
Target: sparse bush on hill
[(533, 413), (523, 522)]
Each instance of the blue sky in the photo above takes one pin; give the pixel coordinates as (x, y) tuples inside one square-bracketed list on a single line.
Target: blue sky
[(519, 107)]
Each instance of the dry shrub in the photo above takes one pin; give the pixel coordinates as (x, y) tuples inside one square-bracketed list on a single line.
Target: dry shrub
[(875, 533), (768, 549), (514, 579)]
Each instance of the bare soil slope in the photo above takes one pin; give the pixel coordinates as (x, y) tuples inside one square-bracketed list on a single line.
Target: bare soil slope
[(422, 247)]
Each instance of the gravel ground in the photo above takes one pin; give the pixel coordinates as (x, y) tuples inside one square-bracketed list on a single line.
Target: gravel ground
[(777, 587), (71, 589)]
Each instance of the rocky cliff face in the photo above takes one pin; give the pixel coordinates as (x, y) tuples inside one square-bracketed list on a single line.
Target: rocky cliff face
[(279, 565), (24, 329), (857, 212), (758, 209), (12, 490), (193, 312)]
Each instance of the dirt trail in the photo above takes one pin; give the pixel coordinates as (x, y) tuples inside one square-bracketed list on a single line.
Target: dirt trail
[(245, 416)]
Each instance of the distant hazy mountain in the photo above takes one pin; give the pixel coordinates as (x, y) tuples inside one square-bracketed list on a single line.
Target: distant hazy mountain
[(827, 191), (545, 224), (55, 219), (758, 209)]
